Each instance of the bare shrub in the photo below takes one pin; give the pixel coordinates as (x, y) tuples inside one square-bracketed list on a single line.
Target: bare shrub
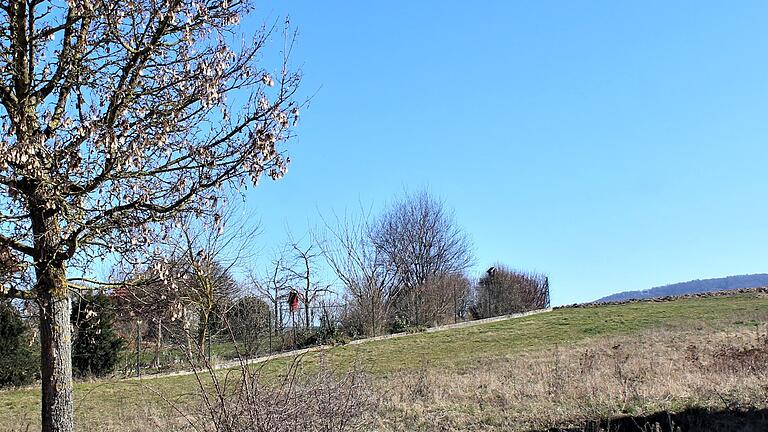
[(369, 281), (247, 399), (627, 378), (445, 299), (750, 358), (356, 319)]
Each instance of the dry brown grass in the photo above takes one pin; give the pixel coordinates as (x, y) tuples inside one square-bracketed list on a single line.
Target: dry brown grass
[(659, 371), (655, 371)]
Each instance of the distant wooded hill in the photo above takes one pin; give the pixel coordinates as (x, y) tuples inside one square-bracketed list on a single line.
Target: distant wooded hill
[(693, 287)]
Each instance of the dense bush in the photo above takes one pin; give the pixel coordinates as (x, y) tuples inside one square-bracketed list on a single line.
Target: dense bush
[(96, 346), (502, 291), (18, 364), (249, 320), (355, 321)]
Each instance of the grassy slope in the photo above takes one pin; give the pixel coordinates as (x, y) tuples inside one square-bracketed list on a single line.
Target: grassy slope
[(459, 348), (104, 403)]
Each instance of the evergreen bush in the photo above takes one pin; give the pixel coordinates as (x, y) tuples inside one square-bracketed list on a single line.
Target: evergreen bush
[(96, 346), (18, 364)]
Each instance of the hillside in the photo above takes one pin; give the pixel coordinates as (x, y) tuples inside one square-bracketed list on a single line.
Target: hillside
[(557, 369), (692, 287)]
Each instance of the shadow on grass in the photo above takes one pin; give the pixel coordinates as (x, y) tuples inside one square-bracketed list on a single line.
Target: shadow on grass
[(690, 420)]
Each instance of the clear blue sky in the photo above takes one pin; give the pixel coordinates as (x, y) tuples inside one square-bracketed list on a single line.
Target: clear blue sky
[(612, 145)]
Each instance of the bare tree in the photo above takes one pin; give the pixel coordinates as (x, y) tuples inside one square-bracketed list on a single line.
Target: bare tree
[(212, 291), (273, 286), (420, 241), (116, 119), (208, 254), (301, 272), (349, 249)]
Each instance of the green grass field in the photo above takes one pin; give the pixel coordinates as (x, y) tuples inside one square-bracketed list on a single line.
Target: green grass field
[(106, 405)]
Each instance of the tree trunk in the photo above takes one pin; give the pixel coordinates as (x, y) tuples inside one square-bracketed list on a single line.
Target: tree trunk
[(55, 330), (373, 317), (55, 350)]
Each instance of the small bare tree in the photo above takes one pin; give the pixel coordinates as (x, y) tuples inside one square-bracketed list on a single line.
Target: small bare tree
[(273, 286), (116, 118), (301, 272), (420, 240), (249, 318), (349, 249), (208, 255)]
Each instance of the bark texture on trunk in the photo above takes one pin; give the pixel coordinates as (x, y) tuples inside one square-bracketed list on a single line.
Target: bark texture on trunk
[(55, 330), (56, 355)]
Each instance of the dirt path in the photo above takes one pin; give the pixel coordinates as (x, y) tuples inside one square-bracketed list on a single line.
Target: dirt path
[(294, 353)]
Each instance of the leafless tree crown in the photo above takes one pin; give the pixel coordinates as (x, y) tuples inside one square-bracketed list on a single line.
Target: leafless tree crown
[(421, 241), (420, 238), (349, 249)]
